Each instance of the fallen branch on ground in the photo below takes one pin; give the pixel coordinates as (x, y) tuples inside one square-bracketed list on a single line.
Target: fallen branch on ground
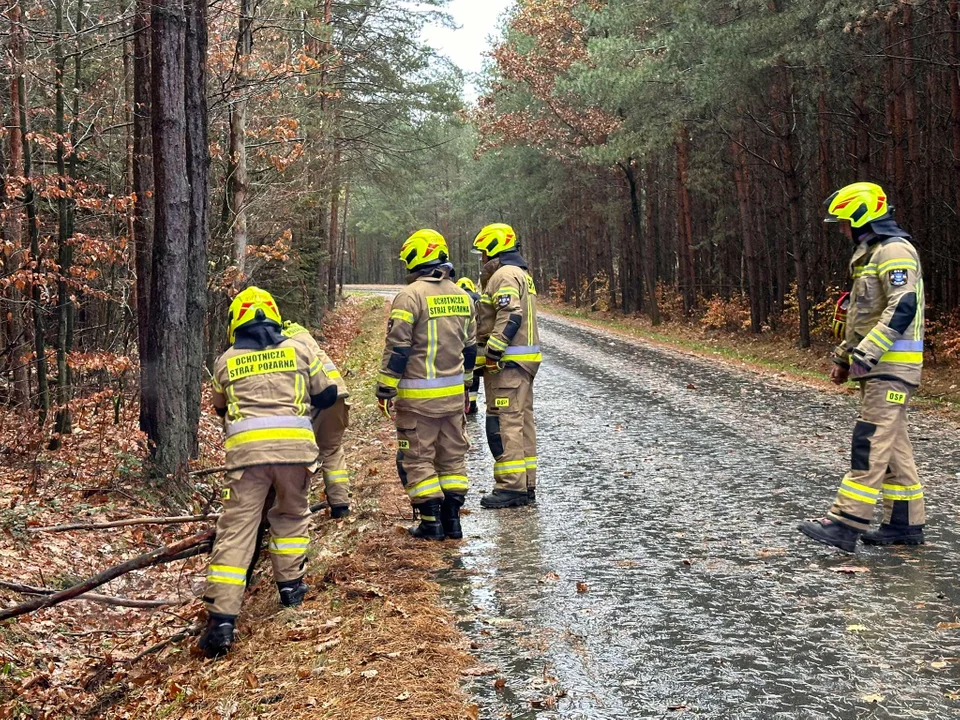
[(93, 597), (188, 547), (137, 563)]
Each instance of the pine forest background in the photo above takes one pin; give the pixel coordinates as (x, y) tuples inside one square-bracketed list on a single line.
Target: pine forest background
[(664, 158)]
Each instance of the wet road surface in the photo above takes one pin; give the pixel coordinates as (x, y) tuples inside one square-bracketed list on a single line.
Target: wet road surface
[(669, 490)]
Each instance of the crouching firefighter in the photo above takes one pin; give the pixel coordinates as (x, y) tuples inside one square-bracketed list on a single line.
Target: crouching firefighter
[(470, 288), (329, 427), (508, 329), (426, 375), (881, 323), (264, 387)]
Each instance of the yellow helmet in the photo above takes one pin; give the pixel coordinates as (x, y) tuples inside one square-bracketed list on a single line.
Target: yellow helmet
[(251, 305), (467, 284), (424, 246), (859, 203), (495, 239)]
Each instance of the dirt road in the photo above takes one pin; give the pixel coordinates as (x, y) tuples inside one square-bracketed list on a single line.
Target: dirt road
[(661, 572)]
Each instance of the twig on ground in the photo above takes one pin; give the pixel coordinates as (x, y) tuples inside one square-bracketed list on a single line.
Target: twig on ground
[(188, 632), (93, 597), (173, 520)]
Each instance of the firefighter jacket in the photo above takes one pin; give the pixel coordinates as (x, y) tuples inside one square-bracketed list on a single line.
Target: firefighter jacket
[(481, 350), (508, 313), (886, 315), (292, 329), (431, 346), (265, 396)]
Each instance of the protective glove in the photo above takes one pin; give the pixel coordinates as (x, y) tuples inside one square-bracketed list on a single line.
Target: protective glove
[(839, 374), (386, 407), (493, 366), (858, 370), (466, 399), (840, 316)]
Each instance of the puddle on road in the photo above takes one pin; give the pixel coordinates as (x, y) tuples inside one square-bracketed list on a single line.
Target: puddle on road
[(674, 509)]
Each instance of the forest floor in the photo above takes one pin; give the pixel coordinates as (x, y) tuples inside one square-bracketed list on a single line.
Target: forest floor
[(768, 351), (371, 640)]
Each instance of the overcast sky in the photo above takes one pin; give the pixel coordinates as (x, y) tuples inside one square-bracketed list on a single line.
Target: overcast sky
[(476, 21)]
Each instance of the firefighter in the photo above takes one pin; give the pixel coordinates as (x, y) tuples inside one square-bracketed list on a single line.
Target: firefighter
[(882, 351), (329, 426), (508, 330), (426, 375), (471, 289), (264, 387)]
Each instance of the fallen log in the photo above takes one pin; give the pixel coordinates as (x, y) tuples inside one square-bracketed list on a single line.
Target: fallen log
[(93, 597), (137, 563)]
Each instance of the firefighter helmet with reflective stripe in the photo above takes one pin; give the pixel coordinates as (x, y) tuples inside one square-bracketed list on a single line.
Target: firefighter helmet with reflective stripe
[(495, 239), (467, 284), (859, 203), (249, 306), (424, 247)]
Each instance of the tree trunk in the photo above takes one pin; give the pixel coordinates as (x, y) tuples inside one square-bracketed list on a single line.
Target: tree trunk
[(784, 121), (650, 218), (198, 169), (685, 226), (334, 236), (341, 255), (955, 98), (237, 170), (143, 189), (163, 379), (741, 180), (33, 227), (13, 231)]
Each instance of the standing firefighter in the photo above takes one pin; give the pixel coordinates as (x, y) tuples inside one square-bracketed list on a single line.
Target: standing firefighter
[(264, 386), (329, 426), (508, 329), (426, 373), (882, 350), (468, 285)]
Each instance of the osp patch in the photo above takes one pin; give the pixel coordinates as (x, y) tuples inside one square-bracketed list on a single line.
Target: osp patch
[(898, 278), (503, 301)]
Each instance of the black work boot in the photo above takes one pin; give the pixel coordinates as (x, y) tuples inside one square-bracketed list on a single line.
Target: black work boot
[(429, 527), (531, 496), (895, 535), (450, 516), (339, 511), (830, 532), (473, 408), (217, 638), (292, 592), (504, 499)]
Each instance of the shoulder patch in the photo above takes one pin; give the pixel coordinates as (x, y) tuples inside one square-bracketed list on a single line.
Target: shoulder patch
[(503, 301), (898, 277)]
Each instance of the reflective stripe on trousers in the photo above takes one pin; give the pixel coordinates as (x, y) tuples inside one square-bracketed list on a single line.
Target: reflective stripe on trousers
[(289, 546), (227, 574)]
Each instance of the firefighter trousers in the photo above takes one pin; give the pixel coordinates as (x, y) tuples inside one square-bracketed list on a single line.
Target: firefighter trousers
[(881, 461), (432, 455), (329, 428), (244, 494), (511, 431)]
